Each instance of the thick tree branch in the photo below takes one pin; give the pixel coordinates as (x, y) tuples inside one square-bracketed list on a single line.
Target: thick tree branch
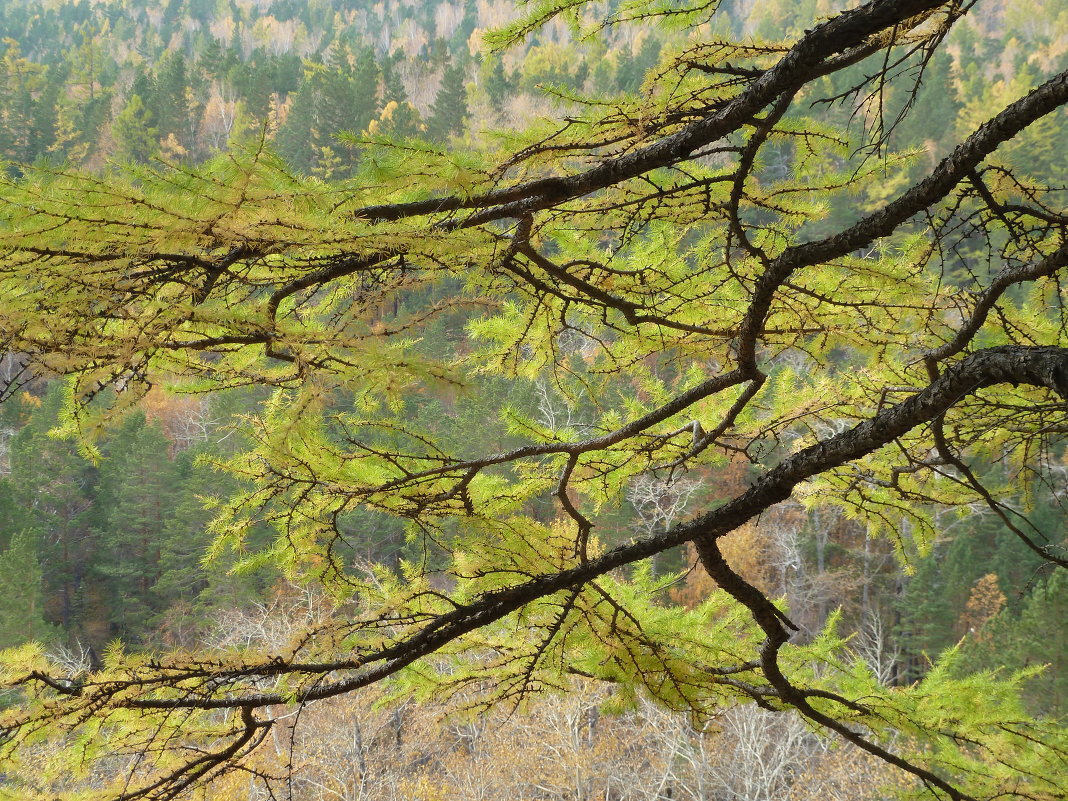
[(1045, 367), (950, 172), (839, 35)]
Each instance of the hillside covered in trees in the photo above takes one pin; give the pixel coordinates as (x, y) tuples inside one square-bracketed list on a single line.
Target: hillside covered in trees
[(88, 82), (212, 450)]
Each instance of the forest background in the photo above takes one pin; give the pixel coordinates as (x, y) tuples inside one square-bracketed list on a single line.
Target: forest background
[(98, 551)]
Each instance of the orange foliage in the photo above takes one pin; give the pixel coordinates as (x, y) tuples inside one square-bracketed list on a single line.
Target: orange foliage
[(182, 418), (749, 551), (725, 481), (985, 601), (695, 586)]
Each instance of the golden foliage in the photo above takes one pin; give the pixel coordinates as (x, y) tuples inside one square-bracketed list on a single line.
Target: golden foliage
[(984, 602)]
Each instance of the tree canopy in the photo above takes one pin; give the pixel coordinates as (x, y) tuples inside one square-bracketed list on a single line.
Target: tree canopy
[(664, 268)]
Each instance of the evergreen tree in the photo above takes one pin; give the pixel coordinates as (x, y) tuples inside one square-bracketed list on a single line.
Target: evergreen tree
[(144, 87), (259, 89), (17, 107), (21, 600), (295, 141), (288, 71), (211, 57), (18, 120), (449, 111), (494, 81), (398, 120), (1032, 637), (365, 73), (392, 86), (1041, 638), (632, 70), (936, 108), (169, 110), (188, 593), (134, 133), (137, 487), (46, 111), (53, 484), (337, 98)]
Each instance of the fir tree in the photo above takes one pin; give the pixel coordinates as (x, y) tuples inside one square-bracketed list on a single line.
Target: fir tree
[(449, 111), (137, 485), (53, 486), (135, 136), (169, 109), (295, 141), (21, 604), (494, 82)]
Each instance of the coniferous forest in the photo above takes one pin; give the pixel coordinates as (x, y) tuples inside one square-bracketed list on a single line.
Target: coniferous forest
[(557, 400)]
